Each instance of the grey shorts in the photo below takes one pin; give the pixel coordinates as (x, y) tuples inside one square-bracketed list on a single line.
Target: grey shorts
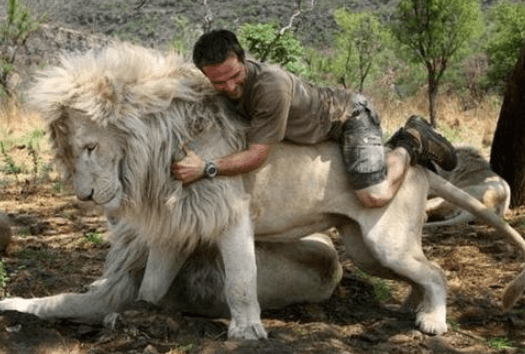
[(362, 146)]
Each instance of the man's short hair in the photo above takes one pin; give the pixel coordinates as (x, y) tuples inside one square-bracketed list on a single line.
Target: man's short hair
[(215, 46)]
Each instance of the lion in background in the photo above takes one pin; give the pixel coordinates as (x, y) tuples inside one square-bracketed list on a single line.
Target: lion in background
[(474, 175), (118, 117)]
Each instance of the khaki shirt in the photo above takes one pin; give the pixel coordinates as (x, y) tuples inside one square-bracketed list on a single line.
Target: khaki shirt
[(279, 105)]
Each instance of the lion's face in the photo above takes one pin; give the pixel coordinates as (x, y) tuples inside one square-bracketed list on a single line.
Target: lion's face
[(96, 157)]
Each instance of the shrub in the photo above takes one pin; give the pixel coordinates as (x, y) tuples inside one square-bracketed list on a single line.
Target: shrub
[(266, 43), (359, 43), (14, 32), (506, 36)]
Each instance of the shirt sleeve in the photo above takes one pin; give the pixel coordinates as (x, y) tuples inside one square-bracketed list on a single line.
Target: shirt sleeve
[(270, 109)]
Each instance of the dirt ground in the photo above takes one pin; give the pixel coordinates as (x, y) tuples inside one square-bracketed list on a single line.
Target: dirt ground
[(59, 246)]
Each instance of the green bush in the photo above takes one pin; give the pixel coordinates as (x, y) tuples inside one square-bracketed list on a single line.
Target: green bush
[(15, 30), (506, 36), (318, 67), (266, 43), (359, 43)]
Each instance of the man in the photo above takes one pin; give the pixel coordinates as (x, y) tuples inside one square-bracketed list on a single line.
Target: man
[(280, 106)]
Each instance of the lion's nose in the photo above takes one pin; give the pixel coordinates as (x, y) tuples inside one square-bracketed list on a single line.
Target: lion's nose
[(86, 196)]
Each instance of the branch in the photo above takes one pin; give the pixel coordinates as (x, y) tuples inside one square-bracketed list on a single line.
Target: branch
[(141, 3), (297, 13), (208, 17), (284, 29)]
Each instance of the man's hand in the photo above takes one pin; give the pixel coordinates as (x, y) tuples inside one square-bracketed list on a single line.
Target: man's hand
[(189, 169)]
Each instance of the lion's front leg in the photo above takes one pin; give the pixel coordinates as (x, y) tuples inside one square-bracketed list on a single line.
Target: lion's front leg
[(162, 267), (238, 252)]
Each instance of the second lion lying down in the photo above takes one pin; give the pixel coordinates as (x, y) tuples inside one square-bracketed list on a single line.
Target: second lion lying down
[(118, 117), (474, 175)]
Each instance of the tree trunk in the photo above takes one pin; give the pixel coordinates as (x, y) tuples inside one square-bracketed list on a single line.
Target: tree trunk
[(432, 97), (507, 155)]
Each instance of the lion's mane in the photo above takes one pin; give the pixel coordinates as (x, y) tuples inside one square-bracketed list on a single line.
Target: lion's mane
[(154, 104)]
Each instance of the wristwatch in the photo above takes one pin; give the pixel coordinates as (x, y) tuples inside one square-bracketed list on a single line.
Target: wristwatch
[(210, 169)]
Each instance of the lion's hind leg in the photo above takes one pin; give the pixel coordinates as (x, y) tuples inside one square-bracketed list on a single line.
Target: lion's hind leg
[(427, 300), (428, 295), (392, 238), (298, 271), (113, 292), (366, 260), (90, 307)]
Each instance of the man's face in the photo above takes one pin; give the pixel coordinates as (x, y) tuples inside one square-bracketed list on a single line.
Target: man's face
[(227, 77)]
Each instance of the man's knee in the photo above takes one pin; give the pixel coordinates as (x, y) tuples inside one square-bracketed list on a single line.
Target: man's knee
[(375, 196)]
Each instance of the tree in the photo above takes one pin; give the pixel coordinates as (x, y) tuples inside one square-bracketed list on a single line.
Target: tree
[(433, 31), (14, 32), (266, 43), (359, 41), (506, 156), (506, 37)]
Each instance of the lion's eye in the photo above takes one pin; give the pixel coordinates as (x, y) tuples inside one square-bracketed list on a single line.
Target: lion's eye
[(91, 147)]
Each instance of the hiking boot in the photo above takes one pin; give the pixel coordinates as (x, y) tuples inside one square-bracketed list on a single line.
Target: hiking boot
[(424, 144)]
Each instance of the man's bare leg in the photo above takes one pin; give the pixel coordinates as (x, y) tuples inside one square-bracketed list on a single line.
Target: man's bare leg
[(378, 195)]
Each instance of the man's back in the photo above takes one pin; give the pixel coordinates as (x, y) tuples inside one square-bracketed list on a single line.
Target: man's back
[(280, 105)]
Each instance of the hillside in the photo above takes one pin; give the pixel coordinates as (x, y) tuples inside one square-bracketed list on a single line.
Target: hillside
[(78, 26), (152, 23)]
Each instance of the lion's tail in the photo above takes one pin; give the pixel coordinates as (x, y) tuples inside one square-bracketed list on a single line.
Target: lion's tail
[(462, 218), (451, 193), (513, 291)]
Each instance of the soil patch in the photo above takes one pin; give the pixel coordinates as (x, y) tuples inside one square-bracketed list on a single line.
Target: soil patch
[(59, 246)]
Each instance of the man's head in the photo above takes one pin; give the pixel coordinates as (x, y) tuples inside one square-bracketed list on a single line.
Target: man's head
[(215, 47), (221, 58)]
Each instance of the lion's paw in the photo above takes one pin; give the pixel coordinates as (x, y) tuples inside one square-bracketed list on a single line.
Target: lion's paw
[(112, 320), (16, 304), (431, 323), (247, 332)]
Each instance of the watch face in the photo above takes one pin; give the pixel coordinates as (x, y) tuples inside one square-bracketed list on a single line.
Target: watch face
[(211, 169)]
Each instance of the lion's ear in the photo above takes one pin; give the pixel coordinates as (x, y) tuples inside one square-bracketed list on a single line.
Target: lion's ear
[(107, 91), (107, 104)]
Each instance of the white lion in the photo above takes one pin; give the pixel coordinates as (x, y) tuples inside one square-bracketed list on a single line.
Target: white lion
[(117, 118), (474, 175)]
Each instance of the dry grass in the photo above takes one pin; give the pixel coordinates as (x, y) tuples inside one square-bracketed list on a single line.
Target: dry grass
[(474, 126), (15, 121), (25, 152)]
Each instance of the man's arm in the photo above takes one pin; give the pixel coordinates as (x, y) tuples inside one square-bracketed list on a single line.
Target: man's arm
[(191, 168)]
